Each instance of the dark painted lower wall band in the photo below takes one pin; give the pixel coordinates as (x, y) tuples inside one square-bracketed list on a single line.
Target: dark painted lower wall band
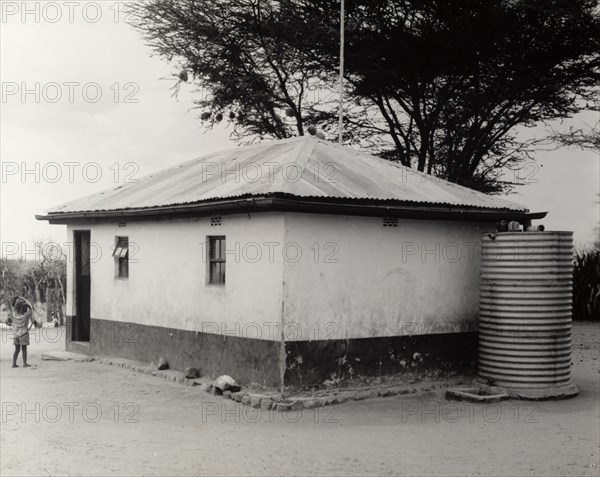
[(308, 363), (247, 360)]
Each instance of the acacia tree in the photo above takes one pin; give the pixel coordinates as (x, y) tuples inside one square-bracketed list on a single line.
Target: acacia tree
[(238, 53), (41, 281), (453, 80), (438, 86), (10, 280), (52, 266), (586, 137)]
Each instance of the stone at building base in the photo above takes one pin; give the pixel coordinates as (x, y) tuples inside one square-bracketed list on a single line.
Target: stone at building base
[(288, 403), (162, 364), (535, 394), (475, 395), (192, 373), (227, 383)]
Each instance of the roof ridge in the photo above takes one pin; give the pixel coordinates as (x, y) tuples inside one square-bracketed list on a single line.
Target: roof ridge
[(305, 154), (262, 144)]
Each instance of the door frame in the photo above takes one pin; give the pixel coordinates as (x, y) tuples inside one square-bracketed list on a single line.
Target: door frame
[(81, 286)]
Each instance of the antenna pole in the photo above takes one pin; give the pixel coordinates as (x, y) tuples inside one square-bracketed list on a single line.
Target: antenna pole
[(341, 92)]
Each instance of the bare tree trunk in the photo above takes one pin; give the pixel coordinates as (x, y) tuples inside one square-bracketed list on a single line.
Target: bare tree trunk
[(63, 302), (39, 307), (62, 291), (37, 291), (49, 303)]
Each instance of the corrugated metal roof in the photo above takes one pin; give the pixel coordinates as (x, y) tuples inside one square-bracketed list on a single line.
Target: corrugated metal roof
[(303, 167)]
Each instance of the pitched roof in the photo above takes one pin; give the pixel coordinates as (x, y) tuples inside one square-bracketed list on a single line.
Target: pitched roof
[(302, 167)]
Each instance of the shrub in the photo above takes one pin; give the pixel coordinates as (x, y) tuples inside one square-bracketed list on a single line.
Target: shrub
[(586, 286)]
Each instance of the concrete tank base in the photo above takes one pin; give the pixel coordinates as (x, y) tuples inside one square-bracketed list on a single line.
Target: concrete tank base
[(554, 392)]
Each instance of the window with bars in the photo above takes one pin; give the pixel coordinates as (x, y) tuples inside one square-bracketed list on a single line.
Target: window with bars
[(216, 260), (121, 255)]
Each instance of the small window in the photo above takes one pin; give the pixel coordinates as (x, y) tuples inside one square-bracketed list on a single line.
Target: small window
[(121, 255), (216, 260)]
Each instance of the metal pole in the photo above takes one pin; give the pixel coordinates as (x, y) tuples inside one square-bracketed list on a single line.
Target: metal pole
[(341, 109)]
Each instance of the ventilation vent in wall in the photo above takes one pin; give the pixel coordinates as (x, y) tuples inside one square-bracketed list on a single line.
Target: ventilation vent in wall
[(215, 220), (122, 224), (390, 222)]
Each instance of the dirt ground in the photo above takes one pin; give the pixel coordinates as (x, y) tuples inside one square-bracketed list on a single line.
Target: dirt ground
[(68, 418)]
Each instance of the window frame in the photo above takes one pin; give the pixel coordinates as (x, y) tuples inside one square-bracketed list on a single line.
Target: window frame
[(210, 239), (121, 255)]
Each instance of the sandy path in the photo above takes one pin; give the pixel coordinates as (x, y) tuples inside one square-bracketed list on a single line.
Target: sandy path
[(149, 426)]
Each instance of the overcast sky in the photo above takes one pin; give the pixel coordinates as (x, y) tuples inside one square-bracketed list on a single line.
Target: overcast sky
[(74, 143)]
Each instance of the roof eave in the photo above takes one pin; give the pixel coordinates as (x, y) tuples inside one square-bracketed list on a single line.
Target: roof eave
[(295, 204)]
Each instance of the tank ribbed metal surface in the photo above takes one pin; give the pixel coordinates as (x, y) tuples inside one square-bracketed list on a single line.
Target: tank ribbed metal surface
[(525, 313)]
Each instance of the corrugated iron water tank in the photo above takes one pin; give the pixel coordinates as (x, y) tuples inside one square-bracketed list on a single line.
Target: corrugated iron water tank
[(525, 314)]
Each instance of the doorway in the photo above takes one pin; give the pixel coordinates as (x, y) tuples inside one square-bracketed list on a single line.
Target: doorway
[(81, 322)]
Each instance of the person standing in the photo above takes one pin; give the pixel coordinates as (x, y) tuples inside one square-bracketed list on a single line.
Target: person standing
[(21, 328)]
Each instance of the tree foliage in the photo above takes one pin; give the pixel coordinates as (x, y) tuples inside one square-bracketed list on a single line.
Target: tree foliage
[(586, 137), (239, 54), (586, 286), (438, 86), (36, 279)]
